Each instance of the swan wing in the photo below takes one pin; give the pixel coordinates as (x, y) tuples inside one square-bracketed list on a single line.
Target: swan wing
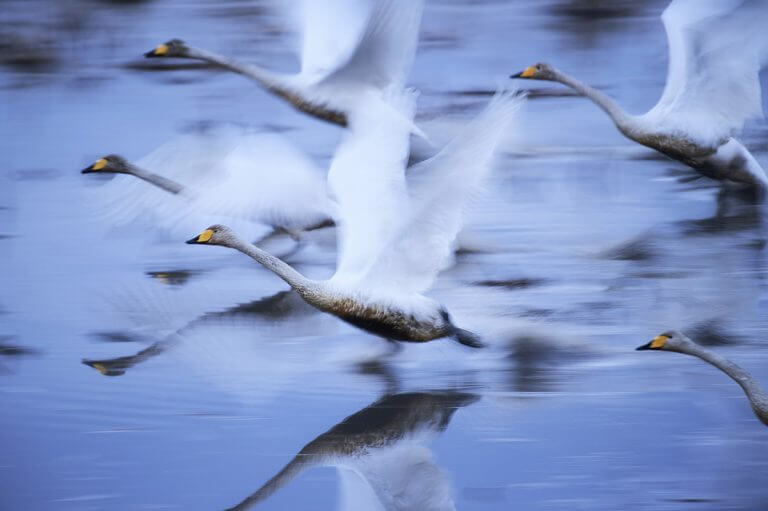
[(367, 181), (264, 178), (385, 52), (439, 190), (716, 50), (327, 32)]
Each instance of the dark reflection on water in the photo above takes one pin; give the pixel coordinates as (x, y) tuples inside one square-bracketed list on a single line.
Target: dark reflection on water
[(382, 449)]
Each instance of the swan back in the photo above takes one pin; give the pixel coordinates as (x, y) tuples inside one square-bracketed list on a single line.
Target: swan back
[(716, 50)]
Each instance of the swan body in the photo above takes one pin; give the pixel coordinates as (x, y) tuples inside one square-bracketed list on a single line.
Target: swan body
[(418, 319), (380, 450), (255, 177), (716, 51), (677, 342), (395, 233), (351, 51)]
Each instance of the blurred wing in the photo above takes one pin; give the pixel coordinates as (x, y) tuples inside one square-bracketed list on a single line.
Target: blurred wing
[(716, 50), (266, 179), (327, 32), (385, 53), (367, 180), (439, 190)]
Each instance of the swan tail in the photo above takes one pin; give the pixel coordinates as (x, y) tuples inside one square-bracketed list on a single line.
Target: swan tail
[(468, 338)]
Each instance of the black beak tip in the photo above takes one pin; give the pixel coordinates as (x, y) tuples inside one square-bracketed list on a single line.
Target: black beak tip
[(192, 241), (516, 75), (150, 54), (643, 347), (87, 170)]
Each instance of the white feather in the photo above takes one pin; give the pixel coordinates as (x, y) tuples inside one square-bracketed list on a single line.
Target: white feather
[(396, 231), (716, 50)]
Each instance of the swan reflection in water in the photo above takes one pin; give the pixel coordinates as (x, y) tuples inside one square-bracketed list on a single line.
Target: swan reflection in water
[(275, 308), (381, 454)]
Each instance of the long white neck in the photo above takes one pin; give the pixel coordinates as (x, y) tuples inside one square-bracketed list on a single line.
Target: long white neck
[(295, 279), (166, 184), (273, 81), (623, 121), (757, 397)]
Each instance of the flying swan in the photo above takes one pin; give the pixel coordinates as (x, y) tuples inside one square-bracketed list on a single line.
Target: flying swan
[(256, 177), (394, 232), (350, 51), (716, 50)]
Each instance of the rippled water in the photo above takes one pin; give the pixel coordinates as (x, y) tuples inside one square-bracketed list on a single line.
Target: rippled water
[(137, 372)]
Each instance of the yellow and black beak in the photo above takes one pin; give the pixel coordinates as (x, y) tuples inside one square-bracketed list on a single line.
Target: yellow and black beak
[(203, 237), (528, 72), (98, 165), (657, 343), (160, 51)]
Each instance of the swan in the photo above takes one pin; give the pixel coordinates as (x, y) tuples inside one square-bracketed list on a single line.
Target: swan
[(676, 341), (351, 51), (716, 49), (395, 233), (230, 174), (381, 455)]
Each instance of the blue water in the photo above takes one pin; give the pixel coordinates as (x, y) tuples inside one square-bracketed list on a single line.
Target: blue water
[(216, 376)]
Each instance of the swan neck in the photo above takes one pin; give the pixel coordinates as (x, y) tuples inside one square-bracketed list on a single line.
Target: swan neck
[(295, 279), (619, 116), (757, 397), (166, 184), (268, 79)]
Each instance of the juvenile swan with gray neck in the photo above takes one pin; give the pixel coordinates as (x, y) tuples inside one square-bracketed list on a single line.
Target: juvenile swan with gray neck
[(677, 342)]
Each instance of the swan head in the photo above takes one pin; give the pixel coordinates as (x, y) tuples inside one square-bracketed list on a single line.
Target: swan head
[(111, 163), (215, 235), (669, 341), (173, 48), (538, 71)]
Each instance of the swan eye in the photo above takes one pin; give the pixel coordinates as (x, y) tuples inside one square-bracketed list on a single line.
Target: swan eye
[(659, 341), (100, 164), (205, 236)]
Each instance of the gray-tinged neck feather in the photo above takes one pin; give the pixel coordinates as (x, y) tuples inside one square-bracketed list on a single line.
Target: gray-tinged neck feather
[(622, 120), (291, 470), (757, 397), (268, 79), (159, 181), (295, 279)]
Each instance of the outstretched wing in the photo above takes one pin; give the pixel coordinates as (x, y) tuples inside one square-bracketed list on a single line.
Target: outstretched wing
[(367, 181), (716, 51), (327, 32), (385, 52), (438, 192), (266, 179)]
